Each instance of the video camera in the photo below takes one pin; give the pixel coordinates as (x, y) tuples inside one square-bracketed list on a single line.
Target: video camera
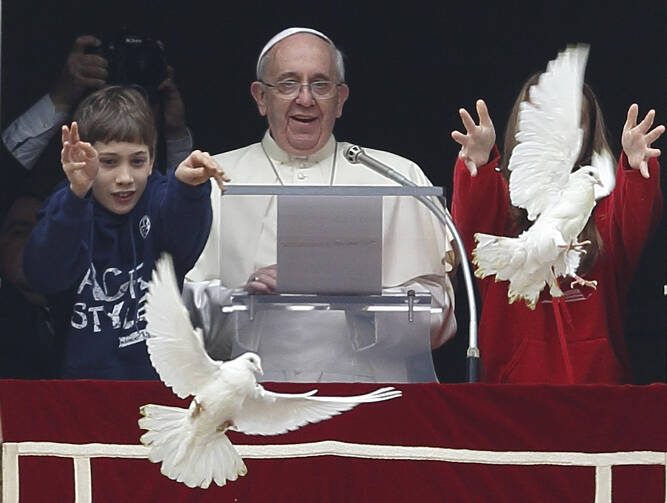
[(134, 59)]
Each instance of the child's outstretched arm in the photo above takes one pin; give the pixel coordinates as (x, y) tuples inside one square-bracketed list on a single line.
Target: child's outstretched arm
[(477, 143), (633, 209), (79, 160), (637, 139), (199, 167)]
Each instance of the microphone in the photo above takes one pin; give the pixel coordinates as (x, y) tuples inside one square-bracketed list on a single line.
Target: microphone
[(356, 155)]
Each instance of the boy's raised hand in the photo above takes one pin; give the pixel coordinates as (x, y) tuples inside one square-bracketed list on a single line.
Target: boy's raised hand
[(477, 143), (637, 139), (198, 167), (79, 160)]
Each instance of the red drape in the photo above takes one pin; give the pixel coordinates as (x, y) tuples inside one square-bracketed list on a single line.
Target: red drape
[(497, 418)]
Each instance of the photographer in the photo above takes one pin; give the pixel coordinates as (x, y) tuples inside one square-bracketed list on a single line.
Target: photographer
[(87, 69)]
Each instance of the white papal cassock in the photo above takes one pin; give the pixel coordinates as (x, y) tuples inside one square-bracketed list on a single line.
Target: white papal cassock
[(416, 249)]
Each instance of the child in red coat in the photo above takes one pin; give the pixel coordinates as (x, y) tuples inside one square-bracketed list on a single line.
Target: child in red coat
[(581, 339)]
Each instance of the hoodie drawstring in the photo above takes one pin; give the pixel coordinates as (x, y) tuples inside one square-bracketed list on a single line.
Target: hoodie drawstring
[(134, 268), (558, 304)]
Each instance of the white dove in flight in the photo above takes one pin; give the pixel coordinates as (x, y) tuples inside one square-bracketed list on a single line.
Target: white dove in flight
[(191, 443), (560, 201)]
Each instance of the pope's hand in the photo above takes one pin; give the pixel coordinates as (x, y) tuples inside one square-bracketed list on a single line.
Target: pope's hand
[(264, 280)]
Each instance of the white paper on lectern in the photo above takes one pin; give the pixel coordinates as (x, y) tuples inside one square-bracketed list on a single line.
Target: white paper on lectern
[(329, 245)]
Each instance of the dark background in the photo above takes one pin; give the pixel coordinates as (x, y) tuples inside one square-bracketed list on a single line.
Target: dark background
[(410, 67)]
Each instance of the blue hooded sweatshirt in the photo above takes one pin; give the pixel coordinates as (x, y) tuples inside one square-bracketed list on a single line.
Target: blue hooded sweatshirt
[(95, 265)]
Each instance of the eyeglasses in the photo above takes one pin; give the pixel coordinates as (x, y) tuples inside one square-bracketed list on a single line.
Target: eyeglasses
[(290, 89)]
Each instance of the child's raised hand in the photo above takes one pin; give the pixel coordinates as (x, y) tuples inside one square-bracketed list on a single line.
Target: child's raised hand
[(637, 139), (477, 143), (199, 167), (79, 160)]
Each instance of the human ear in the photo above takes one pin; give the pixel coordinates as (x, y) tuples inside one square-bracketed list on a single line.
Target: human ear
[(257, 91), (343, 94)]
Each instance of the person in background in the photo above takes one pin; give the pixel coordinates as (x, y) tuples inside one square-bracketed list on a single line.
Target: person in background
[(27, 340), (84, 71)]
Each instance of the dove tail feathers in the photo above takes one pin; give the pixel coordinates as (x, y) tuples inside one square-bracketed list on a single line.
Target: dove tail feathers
[(506, 258), (501, 256), (195, 460)]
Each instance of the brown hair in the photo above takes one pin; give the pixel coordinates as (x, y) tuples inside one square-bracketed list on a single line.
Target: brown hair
[(117, 113), (594, 140)]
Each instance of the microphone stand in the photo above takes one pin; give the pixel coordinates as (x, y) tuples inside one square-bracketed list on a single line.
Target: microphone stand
[(356, 155)]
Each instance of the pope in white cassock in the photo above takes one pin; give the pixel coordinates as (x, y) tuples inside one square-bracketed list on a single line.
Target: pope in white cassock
[(301, 90)]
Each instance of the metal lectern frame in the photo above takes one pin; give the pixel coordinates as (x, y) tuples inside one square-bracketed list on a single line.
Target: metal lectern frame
[(424, 195)]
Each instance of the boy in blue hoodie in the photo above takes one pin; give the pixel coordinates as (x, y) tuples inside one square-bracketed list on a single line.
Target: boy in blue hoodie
[(98, 237)]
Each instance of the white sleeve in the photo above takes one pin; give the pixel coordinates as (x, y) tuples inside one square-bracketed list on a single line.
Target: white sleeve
[(27, 137)]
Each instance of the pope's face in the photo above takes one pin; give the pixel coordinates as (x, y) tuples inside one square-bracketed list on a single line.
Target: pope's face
[(301, 125)]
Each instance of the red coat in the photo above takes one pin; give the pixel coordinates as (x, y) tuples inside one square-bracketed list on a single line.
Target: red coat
[(521, 345)]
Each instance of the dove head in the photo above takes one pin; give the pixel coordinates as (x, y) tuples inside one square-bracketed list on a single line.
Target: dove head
[(588, 173), (253, 361)]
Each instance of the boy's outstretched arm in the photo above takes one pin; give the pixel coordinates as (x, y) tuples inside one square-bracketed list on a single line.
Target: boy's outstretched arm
[(185, 212), (198, 167)]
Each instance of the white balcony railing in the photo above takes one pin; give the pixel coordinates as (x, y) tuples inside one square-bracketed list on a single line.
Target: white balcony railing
[(81, 455)]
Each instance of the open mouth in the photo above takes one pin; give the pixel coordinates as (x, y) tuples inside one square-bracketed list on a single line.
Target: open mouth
[(304, 119), (123, 196)]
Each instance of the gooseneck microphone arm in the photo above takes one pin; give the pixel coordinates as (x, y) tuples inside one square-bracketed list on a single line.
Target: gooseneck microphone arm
[(356, 155)]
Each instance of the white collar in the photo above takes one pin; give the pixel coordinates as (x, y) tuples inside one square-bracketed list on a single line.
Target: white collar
[(279, 155)]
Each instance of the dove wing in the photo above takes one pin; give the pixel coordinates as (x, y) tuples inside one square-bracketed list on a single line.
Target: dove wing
[(269, 413), (549, 134), (176, 349)]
